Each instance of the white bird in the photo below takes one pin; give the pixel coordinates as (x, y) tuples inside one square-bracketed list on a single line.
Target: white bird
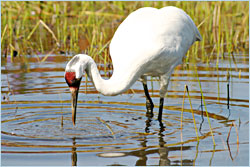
[(149, 42)]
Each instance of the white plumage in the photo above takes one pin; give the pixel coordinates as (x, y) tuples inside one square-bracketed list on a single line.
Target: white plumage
[(149, 42)]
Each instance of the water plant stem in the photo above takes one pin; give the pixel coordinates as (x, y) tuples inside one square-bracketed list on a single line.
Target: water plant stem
[(211, 131), (196, 131), (182, 110)]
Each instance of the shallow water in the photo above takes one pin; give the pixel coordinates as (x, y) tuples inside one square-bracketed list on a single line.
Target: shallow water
[(37, 127)]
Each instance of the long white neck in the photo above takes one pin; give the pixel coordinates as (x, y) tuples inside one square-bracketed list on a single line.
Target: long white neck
[(118, 83)]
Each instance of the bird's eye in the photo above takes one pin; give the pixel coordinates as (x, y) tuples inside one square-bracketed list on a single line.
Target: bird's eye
[(76, 82), (71, 80)]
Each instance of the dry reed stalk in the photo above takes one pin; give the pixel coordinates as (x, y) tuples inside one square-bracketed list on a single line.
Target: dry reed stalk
[(4, 31), (107, 126), (182, 110), (192, 114), (205, 105)]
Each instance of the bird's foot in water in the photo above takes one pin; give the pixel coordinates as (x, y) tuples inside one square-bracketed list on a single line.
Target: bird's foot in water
[(149, 114), (162, 127), (149, 107)]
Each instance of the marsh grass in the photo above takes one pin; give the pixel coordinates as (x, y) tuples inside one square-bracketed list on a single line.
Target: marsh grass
[(87, 27)]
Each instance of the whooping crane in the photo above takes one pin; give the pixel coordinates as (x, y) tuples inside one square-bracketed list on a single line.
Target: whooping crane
[(149, 42)]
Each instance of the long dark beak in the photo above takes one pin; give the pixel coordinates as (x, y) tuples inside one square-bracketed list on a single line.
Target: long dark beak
[(74, 95)]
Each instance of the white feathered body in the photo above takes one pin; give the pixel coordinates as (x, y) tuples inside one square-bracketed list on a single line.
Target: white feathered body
[(149, 41)]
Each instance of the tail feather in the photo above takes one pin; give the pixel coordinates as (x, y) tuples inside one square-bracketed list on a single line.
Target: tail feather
[(198, 35)]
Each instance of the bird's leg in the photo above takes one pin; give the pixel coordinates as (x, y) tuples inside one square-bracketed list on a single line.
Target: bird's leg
[(160, 109), (149, 102), (164, 81)]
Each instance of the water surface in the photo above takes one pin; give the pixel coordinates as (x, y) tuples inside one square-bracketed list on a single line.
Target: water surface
[(37, 127)]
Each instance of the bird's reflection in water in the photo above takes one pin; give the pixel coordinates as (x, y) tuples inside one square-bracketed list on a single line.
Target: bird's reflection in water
[(162, 150), (142, 155), (74, 155)]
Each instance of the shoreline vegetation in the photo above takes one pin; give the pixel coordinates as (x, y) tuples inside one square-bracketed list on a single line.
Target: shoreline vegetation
[(33, 28)]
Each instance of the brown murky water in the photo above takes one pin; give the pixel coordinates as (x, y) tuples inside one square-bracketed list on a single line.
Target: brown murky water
[(37, 128)]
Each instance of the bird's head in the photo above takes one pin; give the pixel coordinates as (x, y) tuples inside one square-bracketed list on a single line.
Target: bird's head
[(73, 75), (74, 84)]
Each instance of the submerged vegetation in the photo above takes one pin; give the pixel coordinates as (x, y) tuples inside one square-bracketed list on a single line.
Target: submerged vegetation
[(32, 28)]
